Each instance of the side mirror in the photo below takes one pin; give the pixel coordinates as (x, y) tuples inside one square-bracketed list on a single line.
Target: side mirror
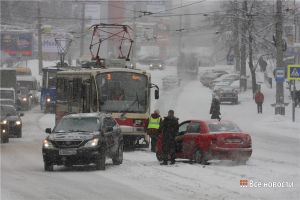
[(48, 130), (156, 94), (21, 114)]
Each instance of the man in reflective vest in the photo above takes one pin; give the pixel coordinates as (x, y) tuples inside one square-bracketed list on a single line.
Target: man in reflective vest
[(153, 128)]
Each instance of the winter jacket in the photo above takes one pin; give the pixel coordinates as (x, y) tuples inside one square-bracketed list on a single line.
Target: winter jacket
[(169, 127), (215, 108), (153, 131), (259, 97)]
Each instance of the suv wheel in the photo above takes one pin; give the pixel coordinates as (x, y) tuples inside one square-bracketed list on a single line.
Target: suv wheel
[(100, 160), (118, 158), (48, 167)]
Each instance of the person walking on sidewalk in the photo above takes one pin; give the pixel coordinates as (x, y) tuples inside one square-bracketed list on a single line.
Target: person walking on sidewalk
[(259, 100)]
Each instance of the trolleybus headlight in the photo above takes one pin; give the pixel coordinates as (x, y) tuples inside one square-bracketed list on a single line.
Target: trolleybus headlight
[(92, 143), (47, 144), (138, 122), (18, 122)]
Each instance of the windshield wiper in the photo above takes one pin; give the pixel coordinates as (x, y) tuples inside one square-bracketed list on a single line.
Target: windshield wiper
[(130, 106)]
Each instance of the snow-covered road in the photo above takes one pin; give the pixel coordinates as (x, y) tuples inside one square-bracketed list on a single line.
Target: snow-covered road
[(276, 149)]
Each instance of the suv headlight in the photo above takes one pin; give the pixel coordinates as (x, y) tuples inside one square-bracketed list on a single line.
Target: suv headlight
[(92, 143), (47, 144), (4, 121), (24, 99), (48, 100), (18, 122)]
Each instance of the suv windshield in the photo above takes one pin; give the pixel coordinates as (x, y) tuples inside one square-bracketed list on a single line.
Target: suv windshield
[(8, 111), (79, 124)]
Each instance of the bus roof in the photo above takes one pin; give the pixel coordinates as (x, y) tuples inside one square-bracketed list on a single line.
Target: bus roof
[(101, 70)]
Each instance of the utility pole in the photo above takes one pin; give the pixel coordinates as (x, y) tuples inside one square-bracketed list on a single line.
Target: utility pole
[(279, 106), (40, 48), (82, 30), (236, 38), (295, 61), (180, 30), (243, 77)]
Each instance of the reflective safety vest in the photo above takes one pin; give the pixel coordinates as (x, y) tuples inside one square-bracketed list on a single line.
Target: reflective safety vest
[(154, 123)]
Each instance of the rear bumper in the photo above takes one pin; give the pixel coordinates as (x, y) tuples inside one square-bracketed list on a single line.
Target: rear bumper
[(230, 99), (83, 156), (230, 153)]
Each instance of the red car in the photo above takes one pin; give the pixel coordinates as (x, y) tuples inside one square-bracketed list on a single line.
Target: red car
[(203, 140)]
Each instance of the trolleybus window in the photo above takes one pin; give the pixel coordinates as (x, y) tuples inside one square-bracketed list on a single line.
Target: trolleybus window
[(122, 92)]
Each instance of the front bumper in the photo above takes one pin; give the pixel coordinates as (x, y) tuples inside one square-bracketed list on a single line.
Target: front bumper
[(230, 153), (83, 156), (15, 130)]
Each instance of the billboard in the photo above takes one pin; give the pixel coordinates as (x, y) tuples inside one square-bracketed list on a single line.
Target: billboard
[(15, 43)]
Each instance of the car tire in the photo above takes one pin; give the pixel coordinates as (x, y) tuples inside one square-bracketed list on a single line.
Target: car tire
[(5, 139), (118, 158), (199, 157), (48, 167), (19, 135), (100, 161)]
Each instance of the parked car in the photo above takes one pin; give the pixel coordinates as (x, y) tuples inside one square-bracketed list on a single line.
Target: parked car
[(170, 82), (226, 93), (209, 76), (83, 138), (224, 78), (204, 140), (12, 118), (4, 137)]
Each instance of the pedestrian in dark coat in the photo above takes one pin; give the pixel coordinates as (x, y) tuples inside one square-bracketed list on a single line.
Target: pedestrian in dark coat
[(215, 109), (153, 128), (169, 130), (259, 100)]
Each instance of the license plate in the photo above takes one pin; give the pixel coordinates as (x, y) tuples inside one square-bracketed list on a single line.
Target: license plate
[(67, 152), (234, 140)]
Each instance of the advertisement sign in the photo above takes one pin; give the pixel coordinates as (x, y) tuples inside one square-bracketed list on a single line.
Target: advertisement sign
[(17, 43)]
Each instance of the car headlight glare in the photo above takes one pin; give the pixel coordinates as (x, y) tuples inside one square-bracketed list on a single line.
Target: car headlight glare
[(47, 144), (3, 131), (160, 65), (92, 143), (48, 99), (24, 99), (4, 121), (18, 122), (151, 65)]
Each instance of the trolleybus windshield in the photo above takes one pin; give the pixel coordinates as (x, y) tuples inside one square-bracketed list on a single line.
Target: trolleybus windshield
[(123, 92)]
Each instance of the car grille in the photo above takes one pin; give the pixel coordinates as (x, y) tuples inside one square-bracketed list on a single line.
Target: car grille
[(67, 144), (11, 123)]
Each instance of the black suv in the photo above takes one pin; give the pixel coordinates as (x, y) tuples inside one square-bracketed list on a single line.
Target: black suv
[(83, 138), (9, 116)]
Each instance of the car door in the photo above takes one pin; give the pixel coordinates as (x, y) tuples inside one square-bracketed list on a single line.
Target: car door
[(191, 137)]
